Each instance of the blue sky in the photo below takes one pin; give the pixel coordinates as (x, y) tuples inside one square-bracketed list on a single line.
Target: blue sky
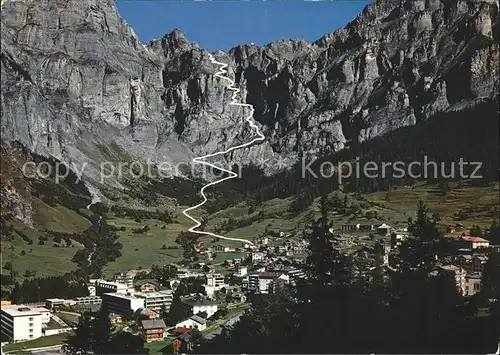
[(224, 24)]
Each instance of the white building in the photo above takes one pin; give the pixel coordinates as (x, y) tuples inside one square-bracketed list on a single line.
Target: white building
[(126, 278), (52, 303), (398, 237), (21, 322), (86, 300), (46, 314), (241, 271), (215, 280), (92, 290), (475, 242), (209, 290), (122, 304), (207, 306), (460, 277), (193, 322), (267, 278), (109, 287), (156, 301), (251, 282), (257, 257), (296, 274), (472, 284)]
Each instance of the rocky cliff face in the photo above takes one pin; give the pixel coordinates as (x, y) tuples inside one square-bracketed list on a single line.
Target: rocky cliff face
[(78, 85)]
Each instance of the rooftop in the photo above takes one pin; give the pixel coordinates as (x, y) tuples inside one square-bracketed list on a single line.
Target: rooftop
[(269, 275), (153, 324), (182, 330), (111, 283), (363, 222), (55, 299), (198, 319), (474, 239), (145, 281), (121, 295), (19, 310), (216, 275), (384, 226), (162, 293)]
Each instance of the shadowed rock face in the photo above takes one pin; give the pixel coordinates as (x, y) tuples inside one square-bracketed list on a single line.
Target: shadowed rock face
[(75, 79)]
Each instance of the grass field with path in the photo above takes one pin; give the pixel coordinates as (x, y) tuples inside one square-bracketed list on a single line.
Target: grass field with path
[(144, 250)]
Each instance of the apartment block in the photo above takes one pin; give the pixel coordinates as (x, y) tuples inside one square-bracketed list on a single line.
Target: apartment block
[(21, 322), (156, 301), (122, 304)]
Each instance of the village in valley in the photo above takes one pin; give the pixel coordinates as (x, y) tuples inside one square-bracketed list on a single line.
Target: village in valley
[(176, 306)]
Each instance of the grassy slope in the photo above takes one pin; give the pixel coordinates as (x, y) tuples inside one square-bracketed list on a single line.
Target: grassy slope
[(143, 250), (401, 205), (46, 260), (58, 218)]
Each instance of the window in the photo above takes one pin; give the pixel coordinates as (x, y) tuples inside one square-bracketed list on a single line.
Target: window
[(31, 324), (31, 330), (31, 319), (31, 336)]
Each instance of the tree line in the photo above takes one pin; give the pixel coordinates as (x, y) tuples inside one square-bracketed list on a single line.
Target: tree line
[(470, 134), (342, 308)]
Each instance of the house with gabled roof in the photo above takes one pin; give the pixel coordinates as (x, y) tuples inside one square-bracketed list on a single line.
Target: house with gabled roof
[(153, 330)]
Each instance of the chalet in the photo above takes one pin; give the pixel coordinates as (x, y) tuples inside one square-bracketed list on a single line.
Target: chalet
[(185, 344), (147, 285), (464, 260), (478, 262), (384, 229), (153, 330), (473, 242), (149, 313)]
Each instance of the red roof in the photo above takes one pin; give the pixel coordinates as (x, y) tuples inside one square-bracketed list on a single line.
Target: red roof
[(182, 330), (269, 275), (468, 238)]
